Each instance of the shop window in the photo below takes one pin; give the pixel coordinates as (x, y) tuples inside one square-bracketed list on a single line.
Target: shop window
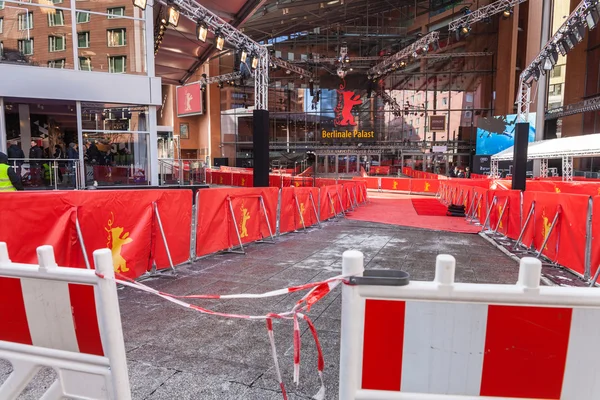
[(56, 18), (116, 12), (25, 46), (57, 63), (56, 43), (117, 65), (83, 40), (116, 37), (85, 63), (25, 21), (83, 17)]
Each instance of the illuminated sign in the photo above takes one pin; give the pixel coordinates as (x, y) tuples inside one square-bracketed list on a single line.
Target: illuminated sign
[(189, 100), (437, 123), (346, 102), (347, 134)]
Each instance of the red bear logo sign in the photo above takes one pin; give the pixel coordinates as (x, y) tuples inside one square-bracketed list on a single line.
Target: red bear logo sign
[(346, 102)]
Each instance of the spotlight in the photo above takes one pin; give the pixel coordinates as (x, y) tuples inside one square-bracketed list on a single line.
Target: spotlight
[(507, 13), (173, 16), (560, 45), (220, 41), (415, 54), (580, 31), (425, 48), (548, 64), (201, 31), (592, 17), (220, 85), (141, 4), (254, 62), (163, 22), (244, 56), (554, 56), (465, 30)]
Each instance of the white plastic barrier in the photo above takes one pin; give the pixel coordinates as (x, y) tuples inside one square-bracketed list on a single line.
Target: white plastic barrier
[(67, 319), (446, 340)]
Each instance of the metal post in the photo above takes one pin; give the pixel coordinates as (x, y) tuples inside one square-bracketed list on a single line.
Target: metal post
[(588, 241), (312, 200), (262, 204), (335, 214), (501, 215), (489, 212), (81, 242), (278, 222), (341, 203), (355, 197), (595, 279), (237, 230), (300, 212), (470, 209), (164, 238), (531, 210), (567, 167), (194, 227), (549, 232), (543, 168)]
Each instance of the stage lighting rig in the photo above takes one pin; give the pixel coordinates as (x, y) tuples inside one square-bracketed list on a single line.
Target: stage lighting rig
[(500, 6)]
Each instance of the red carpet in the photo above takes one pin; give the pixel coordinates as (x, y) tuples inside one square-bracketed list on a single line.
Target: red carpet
[(429, 207), (400, 211)]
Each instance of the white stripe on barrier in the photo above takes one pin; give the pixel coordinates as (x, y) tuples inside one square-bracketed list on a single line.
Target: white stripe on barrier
[(429, 352), (49, 327)]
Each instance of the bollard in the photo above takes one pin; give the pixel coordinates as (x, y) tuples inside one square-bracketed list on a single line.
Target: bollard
[(353, 306)]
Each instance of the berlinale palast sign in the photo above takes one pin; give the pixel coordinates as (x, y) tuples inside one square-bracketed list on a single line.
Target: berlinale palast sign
[(345, 127)]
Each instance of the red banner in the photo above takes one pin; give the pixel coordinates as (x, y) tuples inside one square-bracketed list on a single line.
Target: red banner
[(121, 220), (586, 188), (510, 201), (330, 202), (424, 186), (216, 226), (189, 100), (289, 219), (400, 184)]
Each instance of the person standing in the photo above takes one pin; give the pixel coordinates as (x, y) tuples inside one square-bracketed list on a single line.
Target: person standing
[(468, 173), (35, 156), (9, 180), (59, 154)]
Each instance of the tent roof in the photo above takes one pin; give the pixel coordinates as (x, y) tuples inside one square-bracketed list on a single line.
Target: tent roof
[(574, 146)]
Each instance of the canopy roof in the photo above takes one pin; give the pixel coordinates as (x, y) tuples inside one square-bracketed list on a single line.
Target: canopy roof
[(574, 146)]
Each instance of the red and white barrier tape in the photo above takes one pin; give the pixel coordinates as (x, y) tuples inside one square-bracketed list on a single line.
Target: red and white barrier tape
[(318, 291)]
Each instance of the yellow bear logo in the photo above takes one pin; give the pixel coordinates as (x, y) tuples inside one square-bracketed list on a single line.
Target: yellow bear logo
[(116, 240), (244, 221)]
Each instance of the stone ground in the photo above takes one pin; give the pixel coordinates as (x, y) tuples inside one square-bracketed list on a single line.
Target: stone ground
[(175, 353)]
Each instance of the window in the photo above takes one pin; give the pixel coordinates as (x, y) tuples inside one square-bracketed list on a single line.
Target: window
[(1, 5), (25, 21), (117, 65), (83, 40), (1, 49), (56, 43), (1, 24), (115, 12), (444, 101), (83, 17), (56, 18), (85, 63), (417, 131), (555, 90), (556, 72), (116, 37), (25, 46), (57, 63), (418, 121)]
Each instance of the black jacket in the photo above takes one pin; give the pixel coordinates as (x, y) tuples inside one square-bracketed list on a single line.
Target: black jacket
[(15, 151), (14, 179), (36, 153)]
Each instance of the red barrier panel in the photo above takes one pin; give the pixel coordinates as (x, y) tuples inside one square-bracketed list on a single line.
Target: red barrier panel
[(330, 202), (289, 219), (379, 171), (424, 186), (222, 178), (121, 220), (349, 194), (510, 225), (320, 182), (596, 235), (400, 184), (481, 203), (372, 183), (275, 180), (566, 243), (586, 188), (209, 176), (216, 227)]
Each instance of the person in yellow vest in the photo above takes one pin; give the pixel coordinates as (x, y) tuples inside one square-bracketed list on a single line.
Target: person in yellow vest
[(9, 181)]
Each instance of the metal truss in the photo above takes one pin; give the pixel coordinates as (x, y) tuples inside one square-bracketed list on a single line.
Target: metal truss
[(494, 173), (329, 60), (291, 67), (396, 108), (387, 65), (567, 168), (536, 67), (218, 79), (544, 167), (592, 104), (197, 13), (483, 13)]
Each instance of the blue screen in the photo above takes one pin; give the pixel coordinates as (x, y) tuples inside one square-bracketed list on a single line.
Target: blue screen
[(495, 134)]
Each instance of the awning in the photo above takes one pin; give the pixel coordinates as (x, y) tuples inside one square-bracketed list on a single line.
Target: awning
[(574, 146)]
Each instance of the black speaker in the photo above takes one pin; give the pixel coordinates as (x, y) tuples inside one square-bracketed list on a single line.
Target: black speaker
[(260, 138), (519, 171)]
